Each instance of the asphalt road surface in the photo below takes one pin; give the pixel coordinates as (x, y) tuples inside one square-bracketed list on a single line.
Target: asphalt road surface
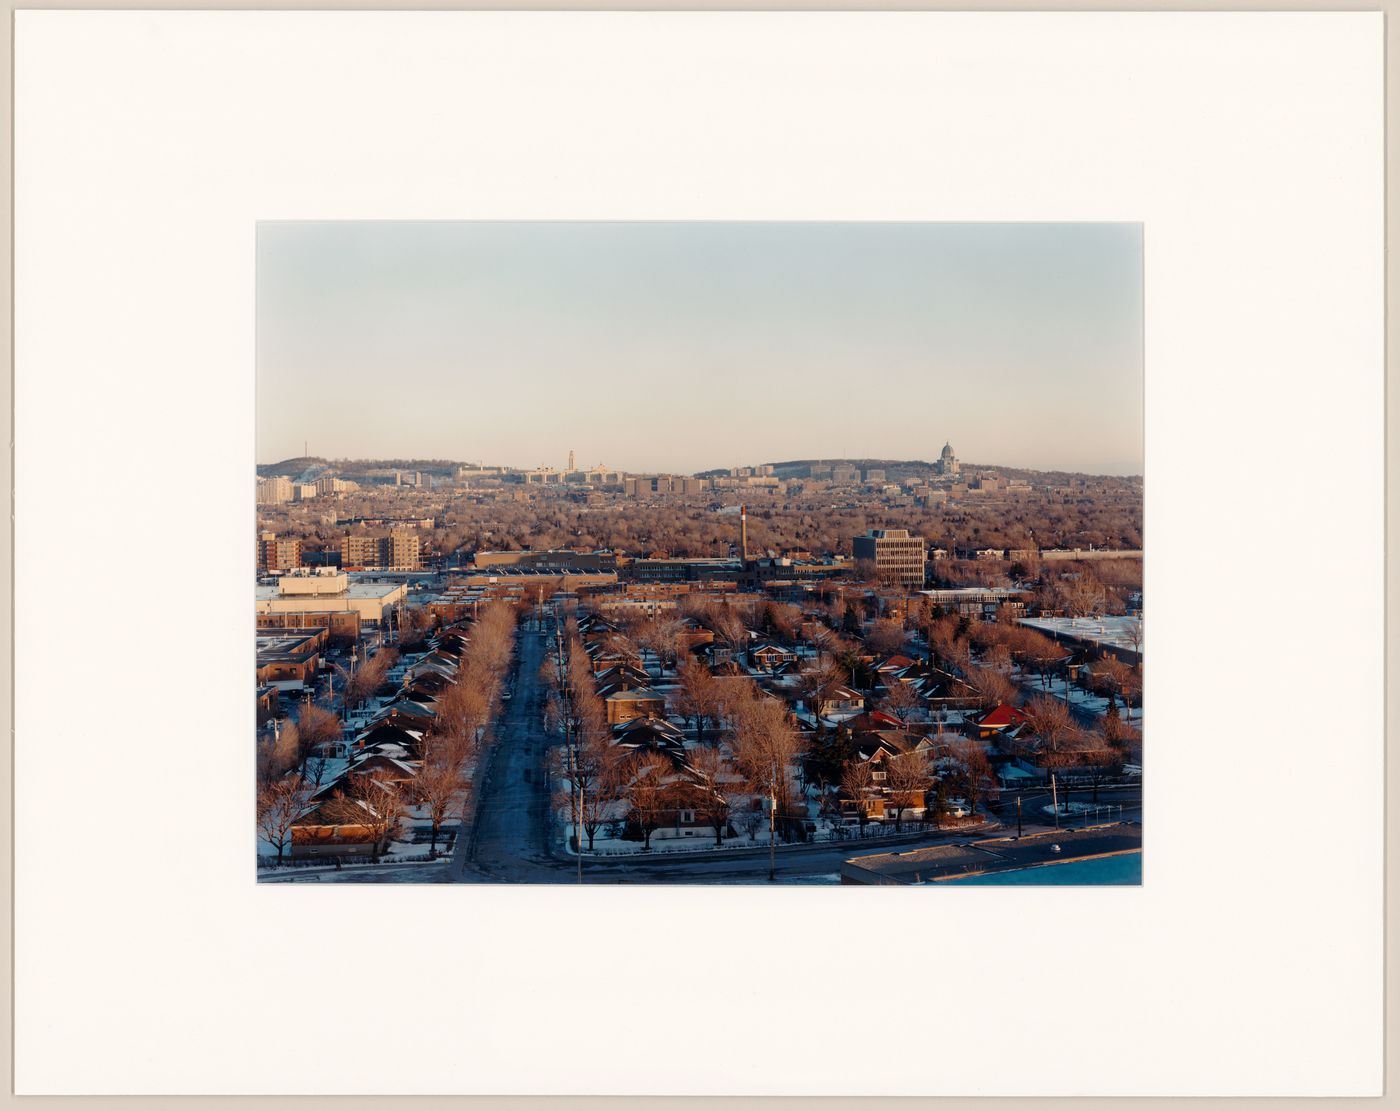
[(507, 844)]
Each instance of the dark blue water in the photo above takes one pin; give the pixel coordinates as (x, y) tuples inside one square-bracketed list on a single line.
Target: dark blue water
[(1106, 871)]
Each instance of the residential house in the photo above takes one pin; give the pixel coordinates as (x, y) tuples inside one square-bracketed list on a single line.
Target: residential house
[(624, 705)]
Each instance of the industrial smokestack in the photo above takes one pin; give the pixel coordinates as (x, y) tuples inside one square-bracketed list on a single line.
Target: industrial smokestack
[(744, 533)]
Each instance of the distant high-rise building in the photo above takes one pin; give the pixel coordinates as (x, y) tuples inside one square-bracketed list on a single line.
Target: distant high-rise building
[(403, 549), (844, 472), (895, 554), (274, 491), (359, 551), (571, 461), (947, 464), (278, 555)]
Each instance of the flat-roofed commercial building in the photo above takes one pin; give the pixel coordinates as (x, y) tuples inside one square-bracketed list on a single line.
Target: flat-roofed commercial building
[(982, 602), (554, 559), (330, 592), (894, 553)]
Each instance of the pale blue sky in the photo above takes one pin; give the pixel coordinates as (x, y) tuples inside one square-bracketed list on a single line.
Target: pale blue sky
[(685, 346)]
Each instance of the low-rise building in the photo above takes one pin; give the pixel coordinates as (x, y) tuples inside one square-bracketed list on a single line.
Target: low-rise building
[(330, 591)]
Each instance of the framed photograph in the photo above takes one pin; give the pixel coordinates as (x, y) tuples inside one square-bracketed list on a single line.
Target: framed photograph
[(605, 443)]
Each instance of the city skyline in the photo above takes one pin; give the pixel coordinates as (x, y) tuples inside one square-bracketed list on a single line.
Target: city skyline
[(586, 463), (492, 342)]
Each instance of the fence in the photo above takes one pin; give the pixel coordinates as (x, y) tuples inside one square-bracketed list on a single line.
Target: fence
[(287, 863)]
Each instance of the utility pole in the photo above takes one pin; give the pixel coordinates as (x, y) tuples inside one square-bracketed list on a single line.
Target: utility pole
[(1054, 800), (1018, 817), (772, 825), (570, 749)]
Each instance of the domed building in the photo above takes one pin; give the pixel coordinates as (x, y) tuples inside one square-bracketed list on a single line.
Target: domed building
[(947, 464)]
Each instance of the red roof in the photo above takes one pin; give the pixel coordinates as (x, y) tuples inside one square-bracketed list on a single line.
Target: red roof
[(1002, 717)]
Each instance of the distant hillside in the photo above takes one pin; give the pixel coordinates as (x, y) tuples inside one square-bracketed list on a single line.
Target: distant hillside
[(897, 468), (351, 467), (290, 467)]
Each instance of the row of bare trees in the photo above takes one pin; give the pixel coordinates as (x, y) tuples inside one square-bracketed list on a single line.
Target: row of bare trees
[(291, 768), (465, 710)]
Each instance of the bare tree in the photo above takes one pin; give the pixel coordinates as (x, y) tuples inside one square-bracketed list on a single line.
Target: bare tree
[(886, 637), (415, 623), (280, 804), (317, 730), (371, 804), (991, 688), (279, 753), (730, 630), (593, 776), (750, 820), (973, 777), (659, 636), (717, 790), (1053, 728), (650, 792), (369, 676), (908, 779), (698, 695), (858, 785), (765, 747), (817, 682), (785, 621), (901, 700), (439, 780), (1110, 676)]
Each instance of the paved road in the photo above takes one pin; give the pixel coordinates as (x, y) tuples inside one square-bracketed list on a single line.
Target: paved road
[(508, 843), (1035, 820)]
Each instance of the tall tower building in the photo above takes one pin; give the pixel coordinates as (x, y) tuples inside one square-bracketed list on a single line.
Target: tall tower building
[(571, 462)]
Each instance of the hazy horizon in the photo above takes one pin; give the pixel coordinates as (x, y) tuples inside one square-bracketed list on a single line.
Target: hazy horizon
[(621, 464), (680, 347)]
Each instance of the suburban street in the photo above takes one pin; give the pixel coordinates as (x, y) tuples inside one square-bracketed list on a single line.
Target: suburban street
[(510, 840)]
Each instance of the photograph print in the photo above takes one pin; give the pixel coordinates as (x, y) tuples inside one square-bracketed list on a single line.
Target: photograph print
[(699, 553)]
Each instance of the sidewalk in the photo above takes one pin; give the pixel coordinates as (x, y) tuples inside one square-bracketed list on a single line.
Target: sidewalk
[(562, 852)]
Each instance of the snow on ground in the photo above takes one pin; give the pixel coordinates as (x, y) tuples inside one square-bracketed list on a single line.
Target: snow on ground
[(1116, 632), (1078, 697)]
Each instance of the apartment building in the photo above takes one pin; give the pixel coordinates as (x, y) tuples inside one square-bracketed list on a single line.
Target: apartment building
[(276, 554)]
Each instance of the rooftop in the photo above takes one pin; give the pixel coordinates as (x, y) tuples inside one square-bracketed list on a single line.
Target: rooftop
[(1115, 632)]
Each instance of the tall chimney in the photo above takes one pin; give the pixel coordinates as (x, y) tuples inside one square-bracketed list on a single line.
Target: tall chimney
[(744, 533)]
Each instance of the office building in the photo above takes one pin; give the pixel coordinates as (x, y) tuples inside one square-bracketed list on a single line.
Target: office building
[(895, 554)]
